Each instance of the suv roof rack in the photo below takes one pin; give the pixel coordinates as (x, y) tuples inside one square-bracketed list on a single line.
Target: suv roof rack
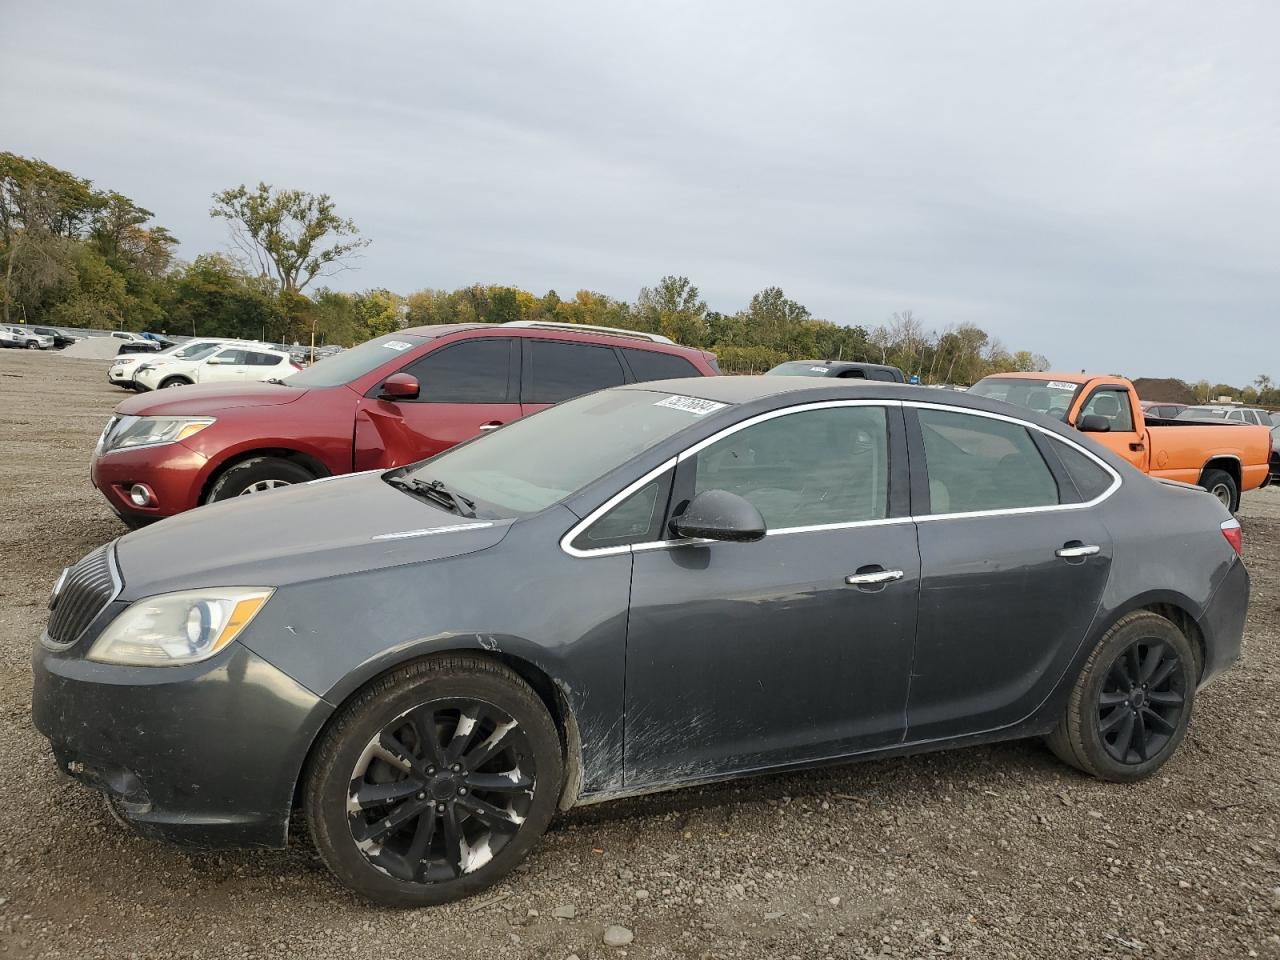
[(591, 328)]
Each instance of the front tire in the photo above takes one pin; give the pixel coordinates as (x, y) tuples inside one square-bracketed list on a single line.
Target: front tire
[(1131, 705), (434, 782), (174, 382), (1223, 486), (32, 345), (257, 475)]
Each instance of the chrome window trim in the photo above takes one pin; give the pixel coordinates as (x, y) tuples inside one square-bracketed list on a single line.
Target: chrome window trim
[(1016, 511), (576, 529)]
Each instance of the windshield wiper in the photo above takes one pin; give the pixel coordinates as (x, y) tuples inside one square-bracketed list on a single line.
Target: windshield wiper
[(435, 491)]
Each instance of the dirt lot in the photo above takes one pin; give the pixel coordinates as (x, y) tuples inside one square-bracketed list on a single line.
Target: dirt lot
[(990, 852)]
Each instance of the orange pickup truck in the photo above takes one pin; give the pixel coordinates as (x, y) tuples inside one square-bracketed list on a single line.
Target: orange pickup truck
[(1224, 458)]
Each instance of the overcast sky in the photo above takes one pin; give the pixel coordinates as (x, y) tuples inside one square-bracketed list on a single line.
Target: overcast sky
[(1098, 182)]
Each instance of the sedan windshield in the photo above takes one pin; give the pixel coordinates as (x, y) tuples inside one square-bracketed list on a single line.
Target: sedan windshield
[(346, 366), (1043, 396), (530, 464)]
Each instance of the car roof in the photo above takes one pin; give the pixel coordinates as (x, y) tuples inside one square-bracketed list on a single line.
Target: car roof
[(588, 334), (737, 390)]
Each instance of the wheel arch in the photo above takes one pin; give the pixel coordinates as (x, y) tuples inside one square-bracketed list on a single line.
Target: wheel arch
[(1228, 464), (552, 694), (306, 460), (1177, 608)]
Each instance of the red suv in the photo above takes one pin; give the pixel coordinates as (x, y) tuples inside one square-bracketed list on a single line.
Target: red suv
[(390, 401)]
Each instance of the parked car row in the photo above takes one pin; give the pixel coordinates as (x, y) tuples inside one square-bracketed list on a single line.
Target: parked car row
[(661, 583), (25, 338)]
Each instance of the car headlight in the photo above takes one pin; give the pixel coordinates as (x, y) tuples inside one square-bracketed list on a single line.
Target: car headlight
[(149, 431), (177, 628)]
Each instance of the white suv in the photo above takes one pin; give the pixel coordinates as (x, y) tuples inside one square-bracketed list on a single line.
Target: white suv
[(225, 363), (124, 367)]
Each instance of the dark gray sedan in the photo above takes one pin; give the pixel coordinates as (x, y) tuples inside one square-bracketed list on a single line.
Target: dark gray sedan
[(643, 588)]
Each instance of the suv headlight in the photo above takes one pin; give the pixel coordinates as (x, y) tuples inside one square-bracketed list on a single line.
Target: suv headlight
[(177, 628), (149, 431)]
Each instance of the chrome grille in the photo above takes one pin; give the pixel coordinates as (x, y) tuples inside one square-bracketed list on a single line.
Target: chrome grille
[(87, 587)]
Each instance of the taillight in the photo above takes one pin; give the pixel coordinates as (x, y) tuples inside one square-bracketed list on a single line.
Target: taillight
[(296, 367), (1235, 536)]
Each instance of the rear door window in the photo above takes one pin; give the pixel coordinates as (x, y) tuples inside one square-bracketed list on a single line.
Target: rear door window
[(1091, 480), (652, 365), (979, 464), (556, 370)]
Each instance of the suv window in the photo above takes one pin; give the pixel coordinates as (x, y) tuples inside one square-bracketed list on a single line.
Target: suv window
[(1111, 403), (978, 463), (886, 375), (556, 370), (651, 365), (814, 467), (472, 371), (230, 356), (261, 359)]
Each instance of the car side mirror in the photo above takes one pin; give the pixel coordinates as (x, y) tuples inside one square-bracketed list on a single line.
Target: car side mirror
[(1092, 423), (719, 515), (400, 386)]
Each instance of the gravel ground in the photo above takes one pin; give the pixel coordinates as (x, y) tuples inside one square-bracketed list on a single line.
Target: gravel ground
[(987, 852)]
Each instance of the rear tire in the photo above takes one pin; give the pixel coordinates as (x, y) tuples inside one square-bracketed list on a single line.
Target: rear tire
[(477, 786), (262, 473), (1130, 707), (1223, 486)]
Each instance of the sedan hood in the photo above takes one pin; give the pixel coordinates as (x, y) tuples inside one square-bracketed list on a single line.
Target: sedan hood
[(200, 399), (327, 528)]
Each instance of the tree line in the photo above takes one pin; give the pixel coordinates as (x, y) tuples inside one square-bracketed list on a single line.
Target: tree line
[(75, 255)]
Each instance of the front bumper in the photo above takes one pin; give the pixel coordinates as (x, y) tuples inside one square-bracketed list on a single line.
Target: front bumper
[(206, 755), (173, 471), (120, 377), (1223, 622)]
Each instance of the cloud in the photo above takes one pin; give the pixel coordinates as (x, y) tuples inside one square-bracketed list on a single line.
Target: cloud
[(1093, 181)]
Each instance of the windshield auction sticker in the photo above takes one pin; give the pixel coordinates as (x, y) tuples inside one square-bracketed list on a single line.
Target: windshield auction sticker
[(397, 345), (1060, 385), (692, 405)]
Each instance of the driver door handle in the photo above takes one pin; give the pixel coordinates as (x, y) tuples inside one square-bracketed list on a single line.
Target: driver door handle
[(1074, 550), (873, 577), (491, 425)]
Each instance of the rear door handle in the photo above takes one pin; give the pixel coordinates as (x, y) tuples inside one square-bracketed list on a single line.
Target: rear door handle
[(873, 577), (1073, 550), (491, 426)]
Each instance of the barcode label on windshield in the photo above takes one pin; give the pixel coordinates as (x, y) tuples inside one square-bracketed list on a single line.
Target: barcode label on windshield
[(1059, 385), (692, 405)]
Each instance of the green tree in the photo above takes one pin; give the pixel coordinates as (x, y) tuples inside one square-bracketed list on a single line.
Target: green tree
[(289, 235), (675, 309)]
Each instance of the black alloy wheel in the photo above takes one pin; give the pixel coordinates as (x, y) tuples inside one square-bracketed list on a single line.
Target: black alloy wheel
[(1141, 701), (434, 781), (1131, 703), (441, 790)]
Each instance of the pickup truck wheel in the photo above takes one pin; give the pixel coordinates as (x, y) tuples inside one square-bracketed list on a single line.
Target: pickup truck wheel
[(33, 345), (258, 475), (1131, 705), (1223, 486)]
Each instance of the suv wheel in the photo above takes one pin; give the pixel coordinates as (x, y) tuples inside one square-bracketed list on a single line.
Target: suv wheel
[(174, 382), (434, 782), (257, 475)]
